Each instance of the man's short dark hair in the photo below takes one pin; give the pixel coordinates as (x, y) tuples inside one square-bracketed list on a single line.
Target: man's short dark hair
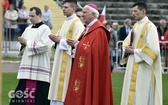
[(78, 10), (38, 10), (73, 2), (141, 5), (108, 23)]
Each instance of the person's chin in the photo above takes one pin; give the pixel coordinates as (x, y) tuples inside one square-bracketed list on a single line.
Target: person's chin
[(135, 18), (64, 13), (32, 22), (84, 21)]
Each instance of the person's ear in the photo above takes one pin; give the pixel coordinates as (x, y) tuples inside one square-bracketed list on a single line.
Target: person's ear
[(144, 11), (40, 15)]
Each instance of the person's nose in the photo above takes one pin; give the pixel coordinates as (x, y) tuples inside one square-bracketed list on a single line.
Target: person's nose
[(30, 17)]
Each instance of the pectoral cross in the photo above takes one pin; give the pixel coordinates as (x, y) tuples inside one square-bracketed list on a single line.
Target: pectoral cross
[(86, 45)]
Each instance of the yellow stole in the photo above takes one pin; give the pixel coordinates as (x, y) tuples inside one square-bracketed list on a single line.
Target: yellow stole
[(64, 63), (135, 67)]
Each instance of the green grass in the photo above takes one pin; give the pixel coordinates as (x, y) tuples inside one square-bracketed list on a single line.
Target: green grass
[(117, 82), (10, 82), (11, 58), (165, 89), (17, 59)]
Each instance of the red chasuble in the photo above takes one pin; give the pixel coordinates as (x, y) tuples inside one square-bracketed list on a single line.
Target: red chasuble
[(90, 79)]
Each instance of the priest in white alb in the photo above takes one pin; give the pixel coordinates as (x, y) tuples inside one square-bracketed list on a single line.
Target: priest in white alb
[(143, 76), (70, 29)]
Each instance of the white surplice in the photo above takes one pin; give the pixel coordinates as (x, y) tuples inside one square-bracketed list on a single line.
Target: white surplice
[(35, 63)]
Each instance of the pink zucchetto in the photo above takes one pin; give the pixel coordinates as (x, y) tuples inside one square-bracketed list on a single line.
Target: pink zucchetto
[(93, 8)]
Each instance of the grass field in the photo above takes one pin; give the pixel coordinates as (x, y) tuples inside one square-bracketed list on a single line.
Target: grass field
[(11, 58), (10, 82)]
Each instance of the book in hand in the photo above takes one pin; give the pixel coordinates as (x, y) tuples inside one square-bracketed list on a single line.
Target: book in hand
[(124, 59), (21, 50)]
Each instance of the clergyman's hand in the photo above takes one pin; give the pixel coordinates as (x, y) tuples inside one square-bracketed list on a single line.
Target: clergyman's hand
[(22, 40), (129, 49), (55, 38), (71, 42)]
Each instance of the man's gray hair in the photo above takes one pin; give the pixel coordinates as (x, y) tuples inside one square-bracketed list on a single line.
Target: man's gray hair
[(127, 20), (162, 20), (93, 10)]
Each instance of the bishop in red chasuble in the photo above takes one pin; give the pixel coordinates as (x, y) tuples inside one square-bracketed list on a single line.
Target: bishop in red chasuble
[(90, 79)]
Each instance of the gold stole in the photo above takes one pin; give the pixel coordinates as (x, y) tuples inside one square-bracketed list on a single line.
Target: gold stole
[(135, 67), (64, 63)]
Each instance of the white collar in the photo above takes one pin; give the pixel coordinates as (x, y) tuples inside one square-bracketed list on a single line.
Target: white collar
[(143, 20), (91, 23), (127, 26), (71, 17)]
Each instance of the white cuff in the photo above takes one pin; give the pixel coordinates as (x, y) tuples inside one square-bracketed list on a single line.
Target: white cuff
[(63, 44), (137, 55), (74, 50)]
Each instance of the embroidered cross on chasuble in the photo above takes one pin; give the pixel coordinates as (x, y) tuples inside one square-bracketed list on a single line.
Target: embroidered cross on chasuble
[(86, 45), (91, 68)]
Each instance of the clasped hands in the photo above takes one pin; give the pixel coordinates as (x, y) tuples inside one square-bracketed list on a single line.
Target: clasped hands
[(22, 40), (129, 50), (57, 39)]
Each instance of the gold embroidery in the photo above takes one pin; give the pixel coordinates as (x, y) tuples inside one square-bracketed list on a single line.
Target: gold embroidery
[(64, 64), (149, 52), (77, 84), (141, 36), (81, 62), (86, 45), (70, 31)]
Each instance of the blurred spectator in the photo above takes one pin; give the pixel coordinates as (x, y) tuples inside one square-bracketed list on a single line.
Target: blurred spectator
[(23, 18), (163, 36), (17, 3), (46, 16), (112, 43), (10, 18), (104, 23), (162, 28), (124, 31), (115, 26), (79, 14), (5, 5)]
